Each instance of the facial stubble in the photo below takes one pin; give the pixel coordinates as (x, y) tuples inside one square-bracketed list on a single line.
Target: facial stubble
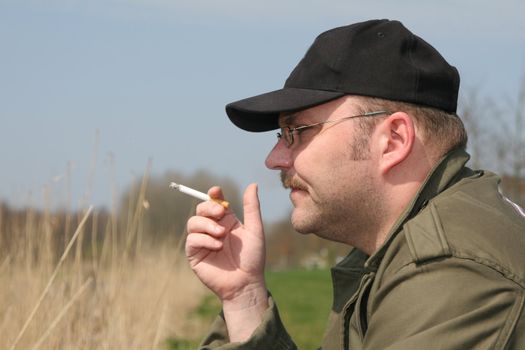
[(347, 214)]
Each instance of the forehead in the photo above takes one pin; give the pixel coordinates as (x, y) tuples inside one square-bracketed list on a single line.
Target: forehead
[(287, 119), (338, 107), (306, 116)]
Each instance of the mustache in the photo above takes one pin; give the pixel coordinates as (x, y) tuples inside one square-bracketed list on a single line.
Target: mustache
[(289, 181)]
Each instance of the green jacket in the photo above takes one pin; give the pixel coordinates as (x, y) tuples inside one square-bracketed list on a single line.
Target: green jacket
[(451, 275)]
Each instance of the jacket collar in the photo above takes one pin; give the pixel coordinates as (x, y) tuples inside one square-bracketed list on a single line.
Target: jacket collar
[(442, 176)]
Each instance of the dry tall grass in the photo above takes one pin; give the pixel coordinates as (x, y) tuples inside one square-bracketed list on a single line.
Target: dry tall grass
[(110, 290)]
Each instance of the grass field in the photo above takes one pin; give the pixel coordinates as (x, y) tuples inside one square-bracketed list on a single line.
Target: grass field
[(118, 293), (121, 292), (304, 301), (93, 280)]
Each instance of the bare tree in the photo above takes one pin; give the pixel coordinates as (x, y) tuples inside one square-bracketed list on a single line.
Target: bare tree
[(497, 137), (516, 186)]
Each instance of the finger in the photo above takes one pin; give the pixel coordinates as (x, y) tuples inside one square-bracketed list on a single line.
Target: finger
[(210, 209), (201, 224), (196, 242), (215, 192), (252, 210)]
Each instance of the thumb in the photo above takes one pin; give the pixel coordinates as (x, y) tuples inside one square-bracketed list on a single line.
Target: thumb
[(252, 210)]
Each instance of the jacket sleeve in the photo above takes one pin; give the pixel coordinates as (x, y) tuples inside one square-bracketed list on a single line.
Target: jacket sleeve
[(270, 334), (451, 303)]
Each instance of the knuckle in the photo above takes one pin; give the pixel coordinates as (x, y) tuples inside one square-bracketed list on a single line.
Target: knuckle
[(202, 209), (191, 224), (196, 224)]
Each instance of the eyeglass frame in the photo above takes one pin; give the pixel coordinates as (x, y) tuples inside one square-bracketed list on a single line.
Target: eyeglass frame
[(288, 131)]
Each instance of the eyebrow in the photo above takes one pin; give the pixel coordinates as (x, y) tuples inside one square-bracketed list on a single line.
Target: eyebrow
[(289, 119), (284, 119)]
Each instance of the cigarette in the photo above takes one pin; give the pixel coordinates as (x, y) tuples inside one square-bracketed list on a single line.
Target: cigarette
[(197, 194)]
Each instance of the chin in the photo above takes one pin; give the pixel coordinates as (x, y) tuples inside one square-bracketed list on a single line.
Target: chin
[(302, 223)]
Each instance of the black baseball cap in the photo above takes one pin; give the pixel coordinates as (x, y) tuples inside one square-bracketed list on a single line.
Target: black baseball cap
[(376, 58)]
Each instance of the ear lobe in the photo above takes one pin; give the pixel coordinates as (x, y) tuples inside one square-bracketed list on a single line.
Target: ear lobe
[(397, 140)]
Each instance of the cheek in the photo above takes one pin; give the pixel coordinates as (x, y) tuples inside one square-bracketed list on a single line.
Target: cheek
[(322, 162)]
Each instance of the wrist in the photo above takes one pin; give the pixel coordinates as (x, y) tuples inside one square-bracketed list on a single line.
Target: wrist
[(249, 297), (244, 312)]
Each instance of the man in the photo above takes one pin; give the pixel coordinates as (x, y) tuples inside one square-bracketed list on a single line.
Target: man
[(373, 154)]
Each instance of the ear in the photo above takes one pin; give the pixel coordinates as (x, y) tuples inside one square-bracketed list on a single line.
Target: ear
[(396, 136)]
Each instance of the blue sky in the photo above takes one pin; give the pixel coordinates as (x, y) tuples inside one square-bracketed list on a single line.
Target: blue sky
[(149, 80)]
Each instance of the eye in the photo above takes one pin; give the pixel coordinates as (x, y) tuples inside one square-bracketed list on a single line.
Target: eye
[(302, 128), (299, 128)]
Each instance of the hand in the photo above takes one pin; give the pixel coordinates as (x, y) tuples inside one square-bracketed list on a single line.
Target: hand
[(227, 255)]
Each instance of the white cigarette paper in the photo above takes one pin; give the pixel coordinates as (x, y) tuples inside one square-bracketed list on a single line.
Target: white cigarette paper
[(197, 194)]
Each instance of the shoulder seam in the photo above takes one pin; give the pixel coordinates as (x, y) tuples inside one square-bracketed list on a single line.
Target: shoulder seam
[(496, 267), (485, 262)]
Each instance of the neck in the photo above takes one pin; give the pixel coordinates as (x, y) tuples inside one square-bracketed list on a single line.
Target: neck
[(399, 188)]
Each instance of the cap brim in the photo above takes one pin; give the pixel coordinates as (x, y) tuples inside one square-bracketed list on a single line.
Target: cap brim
[(261, 112)]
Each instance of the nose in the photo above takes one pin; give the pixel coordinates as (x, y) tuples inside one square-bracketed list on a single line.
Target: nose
[(280, 157)]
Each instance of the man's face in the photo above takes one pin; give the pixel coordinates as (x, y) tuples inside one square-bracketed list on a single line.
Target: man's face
[(332, 191)]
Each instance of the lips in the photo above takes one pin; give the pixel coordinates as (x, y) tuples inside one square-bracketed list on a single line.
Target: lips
[(293, 183)]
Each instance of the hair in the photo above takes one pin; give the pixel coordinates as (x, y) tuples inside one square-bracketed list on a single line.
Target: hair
[(439, 131)]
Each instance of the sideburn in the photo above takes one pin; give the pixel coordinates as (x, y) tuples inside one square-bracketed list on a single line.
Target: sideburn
[(360, 147)]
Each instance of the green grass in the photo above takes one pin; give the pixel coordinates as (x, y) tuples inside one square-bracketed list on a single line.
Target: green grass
[(181, 344), (304, 301)]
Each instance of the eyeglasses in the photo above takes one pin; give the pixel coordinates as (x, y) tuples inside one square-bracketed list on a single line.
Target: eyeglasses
[(287, 133)]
